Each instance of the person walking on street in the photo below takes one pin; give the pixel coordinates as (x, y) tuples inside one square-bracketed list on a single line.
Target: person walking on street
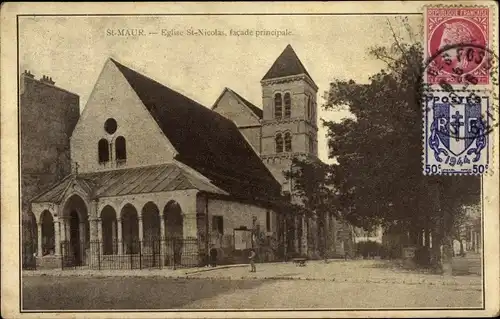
[(252, 260), (213, 257)]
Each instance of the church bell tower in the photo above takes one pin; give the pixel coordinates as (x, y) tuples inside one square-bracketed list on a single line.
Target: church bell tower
[(289, 124)]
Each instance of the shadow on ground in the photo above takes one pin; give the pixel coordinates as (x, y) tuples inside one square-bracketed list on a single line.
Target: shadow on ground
[(460, 266), (63, 293)]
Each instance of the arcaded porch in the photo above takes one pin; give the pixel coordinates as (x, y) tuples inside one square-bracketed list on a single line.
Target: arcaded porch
[(82, 223)]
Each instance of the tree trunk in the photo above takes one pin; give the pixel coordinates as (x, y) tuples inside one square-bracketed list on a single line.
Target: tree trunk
[(447, 255), (427, 236), (436, 250)]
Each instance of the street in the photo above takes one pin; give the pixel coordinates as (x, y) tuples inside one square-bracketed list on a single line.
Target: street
[(353, 284)]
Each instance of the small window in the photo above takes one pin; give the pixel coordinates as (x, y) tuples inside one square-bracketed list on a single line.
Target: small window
[(279, 143), (288, 142), (218, 224), (121, 149), (288, 105), (311, 108), (311, 144), (268, 221), (277, 106), (110, 126), (103, 150)]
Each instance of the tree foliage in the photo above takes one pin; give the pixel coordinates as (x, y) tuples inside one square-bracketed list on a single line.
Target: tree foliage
[(378, 178)]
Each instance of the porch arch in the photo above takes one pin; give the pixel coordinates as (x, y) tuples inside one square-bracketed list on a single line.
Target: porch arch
[(48, 233), (151, 230), (173, 219), (151, 221), (76, 228), (130, 229), (109, 231)]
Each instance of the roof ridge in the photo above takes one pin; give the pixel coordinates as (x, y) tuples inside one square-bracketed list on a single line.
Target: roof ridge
[(155, 81), (255, 109)]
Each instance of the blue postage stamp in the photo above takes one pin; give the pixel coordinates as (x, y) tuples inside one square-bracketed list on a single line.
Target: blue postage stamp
[(456, 127)]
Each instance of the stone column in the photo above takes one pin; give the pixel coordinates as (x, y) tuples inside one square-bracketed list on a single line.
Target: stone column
[(316, 233), (99, 230), (162, 237), (190, 250), (189, 227), (40, 252), (94, 215), (141, 230), (63, 235), (303, 221), (81, 229), (57, 237), (119, 236)]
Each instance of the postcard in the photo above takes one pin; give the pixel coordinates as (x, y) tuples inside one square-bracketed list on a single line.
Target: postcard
[(270, 159)]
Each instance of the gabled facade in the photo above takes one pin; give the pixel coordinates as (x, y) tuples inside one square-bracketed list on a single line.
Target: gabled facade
[(150, 164), (246, 116)]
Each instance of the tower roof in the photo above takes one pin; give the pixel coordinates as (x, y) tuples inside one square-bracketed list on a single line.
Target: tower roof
[(288, 63)]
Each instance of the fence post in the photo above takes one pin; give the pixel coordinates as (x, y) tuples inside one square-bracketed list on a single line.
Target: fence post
[(131, 256), (173, 251), (99, 255), (160, 261), (140, 254), (62, 256)]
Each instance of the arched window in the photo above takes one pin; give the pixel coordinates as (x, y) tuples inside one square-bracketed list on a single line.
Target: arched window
[(308, 106), (288, 142), (103, 150), (279, 143), (121, 149), (277, 106), (311, 108), (288, 105)]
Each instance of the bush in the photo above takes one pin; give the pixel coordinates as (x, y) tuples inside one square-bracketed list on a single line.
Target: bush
[(368, 249)]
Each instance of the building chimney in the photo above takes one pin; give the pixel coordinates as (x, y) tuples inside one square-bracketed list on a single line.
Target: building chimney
[(28, 74), (46, 79)]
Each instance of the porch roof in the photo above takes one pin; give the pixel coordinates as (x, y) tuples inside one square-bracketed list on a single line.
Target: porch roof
[(150, 179)]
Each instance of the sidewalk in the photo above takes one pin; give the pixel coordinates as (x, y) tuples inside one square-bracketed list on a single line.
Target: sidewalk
[(353, 271)]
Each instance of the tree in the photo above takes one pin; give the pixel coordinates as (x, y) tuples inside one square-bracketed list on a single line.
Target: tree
[(379, 177), (312, 183)]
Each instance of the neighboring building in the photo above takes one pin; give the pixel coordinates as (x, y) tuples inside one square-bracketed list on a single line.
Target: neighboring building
[(48, 115), (470, 231), (150, 164), (284, 129), (362, 235)]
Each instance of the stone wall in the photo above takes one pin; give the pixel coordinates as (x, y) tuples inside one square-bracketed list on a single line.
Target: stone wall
[(48, 116)]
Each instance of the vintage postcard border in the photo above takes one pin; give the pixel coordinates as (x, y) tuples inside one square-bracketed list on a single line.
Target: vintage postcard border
[(10, 141)]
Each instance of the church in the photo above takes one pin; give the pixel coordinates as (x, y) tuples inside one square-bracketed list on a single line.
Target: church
[(160, 180)]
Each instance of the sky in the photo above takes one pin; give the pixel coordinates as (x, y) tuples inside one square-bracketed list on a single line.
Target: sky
[(73, 50)]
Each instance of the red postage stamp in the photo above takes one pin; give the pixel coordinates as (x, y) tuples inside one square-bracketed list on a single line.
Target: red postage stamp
[(457, 42)]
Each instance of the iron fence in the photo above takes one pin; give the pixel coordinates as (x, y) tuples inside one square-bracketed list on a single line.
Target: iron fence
[(133, 254), (29, 255)]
